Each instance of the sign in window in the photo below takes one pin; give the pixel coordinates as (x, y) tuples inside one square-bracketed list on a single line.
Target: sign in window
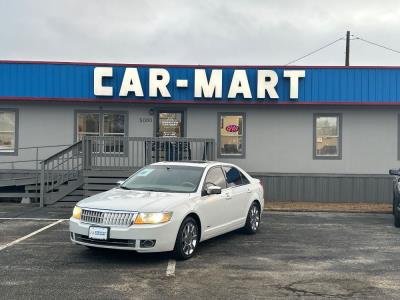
[(231, 135), (327, 139), (7, 131)]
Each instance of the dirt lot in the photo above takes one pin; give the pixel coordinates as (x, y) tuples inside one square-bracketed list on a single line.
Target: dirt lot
[(307, 255)]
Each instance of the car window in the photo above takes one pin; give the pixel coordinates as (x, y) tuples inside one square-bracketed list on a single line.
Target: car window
[(215, 176), (244, 179), (234, 177)]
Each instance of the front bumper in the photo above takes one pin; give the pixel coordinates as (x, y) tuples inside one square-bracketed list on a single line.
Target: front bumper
[(128, 238)]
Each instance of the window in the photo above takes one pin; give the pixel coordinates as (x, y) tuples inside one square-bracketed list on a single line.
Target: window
[(216, 177), (231, 135), (8, 140), (88, 124), (105, 124), (327, 136), (113, 126), (234, 177)]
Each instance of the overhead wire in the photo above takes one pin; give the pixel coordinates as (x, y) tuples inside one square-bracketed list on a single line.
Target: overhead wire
[(340, 39), (315, 51), (376, 44)]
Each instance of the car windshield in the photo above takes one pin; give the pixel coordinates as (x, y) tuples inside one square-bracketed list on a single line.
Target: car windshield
[(168, 178)]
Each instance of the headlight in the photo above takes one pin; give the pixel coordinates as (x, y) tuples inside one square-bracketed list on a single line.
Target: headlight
[(153, 218), (77, 212)]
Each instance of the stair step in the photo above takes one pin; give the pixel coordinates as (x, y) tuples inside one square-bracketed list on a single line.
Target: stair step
[(63, 191), (63, 204), (105, 180), (98, 187), (91, 193), (70, 198), (78, 192)]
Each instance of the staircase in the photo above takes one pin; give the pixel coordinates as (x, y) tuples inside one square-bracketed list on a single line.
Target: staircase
[(61, 176)]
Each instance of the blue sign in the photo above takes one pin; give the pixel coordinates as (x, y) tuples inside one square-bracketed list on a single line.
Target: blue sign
[(198, 84)]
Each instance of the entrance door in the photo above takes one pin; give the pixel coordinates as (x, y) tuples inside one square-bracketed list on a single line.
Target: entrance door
[(170, 124)]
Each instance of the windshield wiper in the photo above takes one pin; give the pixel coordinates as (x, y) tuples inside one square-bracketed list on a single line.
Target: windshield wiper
[(124, 188), (155, 190)]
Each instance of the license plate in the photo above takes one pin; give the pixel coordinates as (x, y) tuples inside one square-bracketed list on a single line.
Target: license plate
[(98, 233)]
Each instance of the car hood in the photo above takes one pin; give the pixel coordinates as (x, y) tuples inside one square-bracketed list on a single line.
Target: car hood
[(131, 200)]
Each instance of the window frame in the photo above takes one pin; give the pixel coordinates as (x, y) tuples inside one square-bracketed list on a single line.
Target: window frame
[(101, 128), (101, 120), (157, 112), (241, 177), (16, 132), (339, 117), (219, 116)]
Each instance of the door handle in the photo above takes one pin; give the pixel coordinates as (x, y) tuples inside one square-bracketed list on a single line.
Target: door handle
[(249, 190), (228, 196)]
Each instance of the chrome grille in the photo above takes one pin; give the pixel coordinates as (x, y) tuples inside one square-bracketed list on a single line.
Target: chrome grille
[(104, 217)]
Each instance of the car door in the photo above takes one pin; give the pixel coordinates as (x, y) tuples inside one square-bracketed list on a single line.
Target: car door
[(215, 208), (240, 191)]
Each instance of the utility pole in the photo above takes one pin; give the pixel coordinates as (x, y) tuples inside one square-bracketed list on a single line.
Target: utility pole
[(347, 63)]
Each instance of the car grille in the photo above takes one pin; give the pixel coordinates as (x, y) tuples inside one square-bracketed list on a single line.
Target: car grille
[(104, 217), (109, 242)]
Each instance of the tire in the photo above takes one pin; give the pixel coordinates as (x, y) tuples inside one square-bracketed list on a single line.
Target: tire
[(397, 220), (396, 214), (187, 239), (253, 218)]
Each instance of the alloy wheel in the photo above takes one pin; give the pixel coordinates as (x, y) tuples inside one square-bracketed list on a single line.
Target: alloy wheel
[(254, 217), (189, 238)]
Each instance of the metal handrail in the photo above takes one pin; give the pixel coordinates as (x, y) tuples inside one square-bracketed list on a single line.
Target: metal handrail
[(40, 147), (37, 160), (60, 168), (62, 151)]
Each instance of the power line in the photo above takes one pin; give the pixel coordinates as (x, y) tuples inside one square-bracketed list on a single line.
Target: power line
[(376, 44), (315, 51)]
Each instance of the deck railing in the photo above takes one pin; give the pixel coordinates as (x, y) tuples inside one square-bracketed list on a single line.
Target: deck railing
[(60, 168), (135, 152)]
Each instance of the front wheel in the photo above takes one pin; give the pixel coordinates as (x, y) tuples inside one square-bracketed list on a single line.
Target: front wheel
[(187, 239), (253, 218), (396, 213)]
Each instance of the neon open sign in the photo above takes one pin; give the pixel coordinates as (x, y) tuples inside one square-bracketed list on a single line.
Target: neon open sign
[(232, 128)]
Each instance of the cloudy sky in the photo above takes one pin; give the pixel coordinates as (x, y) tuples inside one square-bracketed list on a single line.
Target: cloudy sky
[(252, 32)]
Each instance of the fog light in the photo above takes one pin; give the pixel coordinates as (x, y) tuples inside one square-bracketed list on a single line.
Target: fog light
[(147, 243)]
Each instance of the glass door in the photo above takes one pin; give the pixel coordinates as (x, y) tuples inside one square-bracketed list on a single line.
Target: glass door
[(169, 125)]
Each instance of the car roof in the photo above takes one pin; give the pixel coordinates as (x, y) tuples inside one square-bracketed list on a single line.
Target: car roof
[(191, 163)]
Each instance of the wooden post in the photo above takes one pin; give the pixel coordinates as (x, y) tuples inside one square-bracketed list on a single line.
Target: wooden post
[(347, 62)]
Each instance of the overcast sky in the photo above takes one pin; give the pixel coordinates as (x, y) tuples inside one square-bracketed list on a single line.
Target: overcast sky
[(251, 32)]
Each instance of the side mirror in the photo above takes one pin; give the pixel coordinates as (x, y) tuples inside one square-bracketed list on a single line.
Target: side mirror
[(394, 172), (120, 182), (213, 190)]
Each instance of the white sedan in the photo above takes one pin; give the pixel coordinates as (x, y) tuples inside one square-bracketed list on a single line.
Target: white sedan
[(170, 206)]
